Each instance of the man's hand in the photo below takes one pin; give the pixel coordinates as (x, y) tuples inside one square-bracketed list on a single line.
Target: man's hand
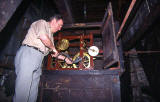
[(62, 57), (55, 53)]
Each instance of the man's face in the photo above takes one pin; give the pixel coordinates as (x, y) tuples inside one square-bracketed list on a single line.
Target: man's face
[(56, 25)]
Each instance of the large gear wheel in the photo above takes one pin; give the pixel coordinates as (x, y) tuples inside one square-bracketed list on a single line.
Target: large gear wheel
[(85, 59)]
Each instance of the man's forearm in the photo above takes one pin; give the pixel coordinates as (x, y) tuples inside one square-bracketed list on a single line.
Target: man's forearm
[(47, 42), (61, 57)]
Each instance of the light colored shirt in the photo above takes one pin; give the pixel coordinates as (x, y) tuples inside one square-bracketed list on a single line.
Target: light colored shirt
[(36, 29)]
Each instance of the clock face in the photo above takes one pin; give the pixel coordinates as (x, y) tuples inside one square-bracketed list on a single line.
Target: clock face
[(93, 51)]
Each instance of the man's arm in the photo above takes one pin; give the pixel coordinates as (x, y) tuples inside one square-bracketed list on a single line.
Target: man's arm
[(47, 42), (67, 60)]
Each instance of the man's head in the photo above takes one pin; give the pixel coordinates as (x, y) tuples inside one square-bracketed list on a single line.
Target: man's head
[(56, 23)]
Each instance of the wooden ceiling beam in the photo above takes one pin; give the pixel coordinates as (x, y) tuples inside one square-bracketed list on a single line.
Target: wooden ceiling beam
[(79, 32), (7, 9), (65, 10), (82, 25)]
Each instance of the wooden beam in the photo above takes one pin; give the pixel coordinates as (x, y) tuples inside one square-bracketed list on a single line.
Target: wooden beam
[(139, 28), (82, 25), (78, 32), (7, 9), (65, 10)]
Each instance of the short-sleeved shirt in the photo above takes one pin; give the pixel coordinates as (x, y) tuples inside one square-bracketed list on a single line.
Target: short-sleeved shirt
[(36, 29)]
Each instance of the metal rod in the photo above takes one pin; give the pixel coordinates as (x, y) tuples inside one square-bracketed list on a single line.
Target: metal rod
[(143, 52), (126, 17)]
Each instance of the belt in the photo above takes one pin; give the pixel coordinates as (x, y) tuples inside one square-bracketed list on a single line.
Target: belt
[(33, 48)]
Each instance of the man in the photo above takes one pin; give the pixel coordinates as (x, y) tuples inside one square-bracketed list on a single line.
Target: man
[(37, 43)]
